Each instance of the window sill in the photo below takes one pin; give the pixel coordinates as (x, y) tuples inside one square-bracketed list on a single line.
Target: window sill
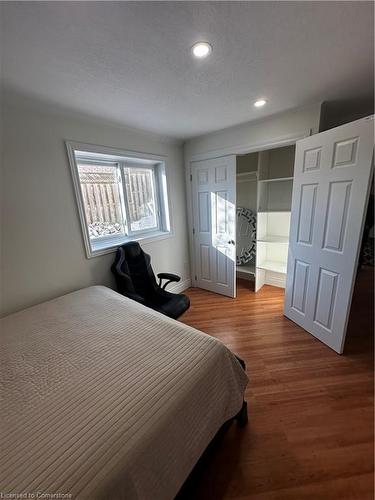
[(105, 247)]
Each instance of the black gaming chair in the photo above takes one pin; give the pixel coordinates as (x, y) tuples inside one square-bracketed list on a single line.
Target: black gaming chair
[(135, 279)]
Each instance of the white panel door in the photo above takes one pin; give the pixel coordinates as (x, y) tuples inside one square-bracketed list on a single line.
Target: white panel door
[(214, 220), (332, 178)]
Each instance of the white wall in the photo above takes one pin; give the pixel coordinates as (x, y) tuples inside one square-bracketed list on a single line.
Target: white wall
[(282, 125), (43, 255)]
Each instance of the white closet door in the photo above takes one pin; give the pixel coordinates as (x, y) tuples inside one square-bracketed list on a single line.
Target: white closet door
[(214, 219), (332, 178)]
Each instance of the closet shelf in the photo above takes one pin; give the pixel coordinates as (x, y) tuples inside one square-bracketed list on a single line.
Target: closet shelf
[(247, 176), (252, 173), (272, 265), (262, 211), (273, 238), (246, 268), (277, 179)]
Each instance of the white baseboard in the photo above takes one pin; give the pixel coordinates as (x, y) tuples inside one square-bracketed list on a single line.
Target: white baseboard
[(179, 287), (275, 279)]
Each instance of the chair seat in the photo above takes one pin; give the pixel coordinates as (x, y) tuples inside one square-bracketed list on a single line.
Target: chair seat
[(173, 306)]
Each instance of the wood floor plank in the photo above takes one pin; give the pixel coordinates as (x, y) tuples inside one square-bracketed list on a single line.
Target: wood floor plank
[(310, 433)]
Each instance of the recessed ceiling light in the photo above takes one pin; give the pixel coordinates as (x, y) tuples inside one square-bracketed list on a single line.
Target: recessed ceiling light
[(201, 49), (259, 103)]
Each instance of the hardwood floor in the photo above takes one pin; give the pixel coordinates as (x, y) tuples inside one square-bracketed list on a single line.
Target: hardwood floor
[(310, 431)]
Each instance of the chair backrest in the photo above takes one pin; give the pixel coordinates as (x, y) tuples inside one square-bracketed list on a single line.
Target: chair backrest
[(133, 271)]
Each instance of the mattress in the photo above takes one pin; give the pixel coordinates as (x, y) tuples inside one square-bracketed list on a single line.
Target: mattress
[(102, 398)]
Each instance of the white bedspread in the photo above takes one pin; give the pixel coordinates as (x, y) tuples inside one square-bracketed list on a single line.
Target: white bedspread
[(102, 398)]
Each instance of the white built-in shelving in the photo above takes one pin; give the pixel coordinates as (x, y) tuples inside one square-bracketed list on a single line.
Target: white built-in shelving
[(276, 179), (273, 172), (275, 195), (273, 265), (274, 238), (246, 270), (275, 184), (247, 176)]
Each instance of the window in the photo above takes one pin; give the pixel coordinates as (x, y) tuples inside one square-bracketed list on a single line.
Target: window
[(120, 196)]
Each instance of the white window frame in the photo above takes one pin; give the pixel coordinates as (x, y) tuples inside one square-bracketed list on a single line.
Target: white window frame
[(159, 221), (125, 158)]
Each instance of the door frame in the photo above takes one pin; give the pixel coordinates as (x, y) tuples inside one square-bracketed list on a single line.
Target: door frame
[(251, 147)]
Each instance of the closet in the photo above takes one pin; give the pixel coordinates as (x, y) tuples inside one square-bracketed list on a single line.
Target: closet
[(264, 183), (243, 222)]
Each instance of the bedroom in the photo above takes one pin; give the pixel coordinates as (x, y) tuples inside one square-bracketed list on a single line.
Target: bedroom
[(118, 81)]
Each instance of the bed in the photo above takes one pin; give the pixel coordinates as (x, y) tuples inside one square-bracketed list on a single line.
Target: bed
[(102, 398)]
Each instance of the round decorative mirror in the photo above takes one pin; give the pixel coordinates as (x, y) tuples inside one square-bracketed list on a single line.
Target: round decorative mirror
[(246, 235)]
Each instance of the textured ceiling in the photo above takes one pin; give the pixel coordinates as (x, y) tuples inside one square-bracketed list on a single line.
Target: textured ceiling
[(130, 62)]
